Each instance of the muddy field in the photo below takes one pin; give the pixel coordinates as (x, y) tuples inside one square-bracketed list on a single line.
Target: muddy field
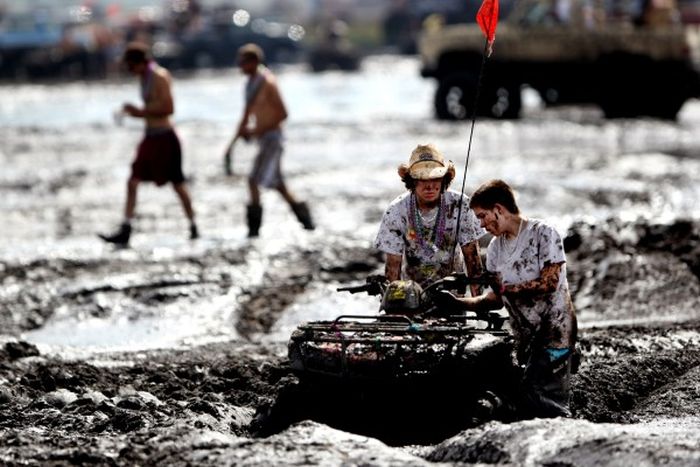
[(172, 352)]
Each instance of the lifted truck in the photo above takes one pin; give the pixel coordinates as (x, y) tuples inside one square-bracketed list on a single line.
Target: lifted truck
[(627, 70)]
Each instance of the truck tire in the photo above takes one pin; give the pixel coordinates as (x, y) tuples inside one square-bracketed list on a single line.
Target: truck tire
[(672, 79), (502, 101), (629, 87), (454, 98)]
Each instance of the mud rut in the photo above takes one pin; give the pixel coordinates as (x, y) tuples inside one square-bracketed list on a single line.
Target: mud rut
[(642, 369)]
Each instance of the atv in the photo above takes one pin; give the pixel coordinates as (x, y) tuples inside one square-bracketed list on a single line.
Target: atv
[(412, 373), (413, 337)]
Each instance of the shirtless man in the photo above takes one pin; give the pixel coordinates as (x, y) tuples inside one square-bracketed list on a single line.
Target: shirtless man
[(262, 120), (159, 157)]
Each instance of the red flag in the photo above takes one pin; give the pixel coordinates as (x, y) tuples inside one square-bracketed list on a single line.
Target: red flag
[(487, 17)]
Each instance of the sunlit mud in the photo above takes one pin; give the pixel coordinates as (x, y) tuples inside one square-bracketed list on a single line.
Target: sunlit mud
[(175, 351)]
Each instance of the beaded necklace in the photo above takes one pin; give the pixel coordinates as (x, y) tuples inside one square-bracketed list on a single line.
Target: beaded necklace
[(437, 233)]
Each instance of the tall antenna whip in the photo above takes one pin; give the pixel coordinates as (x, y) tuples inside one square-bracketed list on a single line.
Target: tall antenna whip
[(487, 17)]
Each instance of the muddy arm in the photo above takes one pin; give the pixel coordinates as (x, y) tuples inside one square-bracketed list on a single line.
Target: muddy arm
[(472, 261), (392, 269), (482, 303), (546, 283)]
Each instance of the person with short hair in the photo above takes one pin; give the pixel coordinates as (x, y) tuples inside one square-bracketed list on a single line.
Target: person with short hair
[(419, 229), (527, 256), (262, 119), (159, 154)]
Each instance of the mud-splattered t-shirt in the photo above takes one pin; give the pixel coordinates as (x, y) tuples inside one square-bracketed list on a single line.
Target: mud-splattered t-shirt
[(521, 260), (421, 264)]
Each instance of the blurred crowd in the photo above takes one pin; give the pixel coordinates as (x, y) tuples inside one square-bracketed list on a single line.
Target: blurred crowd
[(85, 40), (77, 39)]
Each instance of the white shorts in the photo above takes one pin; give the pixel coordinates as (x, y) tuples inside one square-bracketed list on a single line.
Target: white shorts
[(267, 166)]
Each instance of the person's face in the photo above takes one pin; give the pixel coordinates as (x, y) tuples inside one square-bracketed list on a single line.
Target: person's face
[(135, 68), (490, 219), (247, 65), (428, 191)]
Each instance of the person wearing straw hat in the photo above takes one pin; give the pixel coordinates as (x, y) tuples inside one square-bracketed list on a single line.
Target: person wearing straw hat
[(419, 229), (527, 257)]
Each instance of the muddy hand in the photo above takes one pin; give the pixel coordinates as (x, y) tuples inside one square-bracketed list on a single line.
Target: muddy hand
[(118, 116), (496, 283), (132, 110)]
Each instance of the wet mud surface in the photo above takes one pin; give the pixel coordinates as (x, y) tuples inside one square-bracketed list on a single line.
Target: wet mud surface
[(636, 394), (174, 352)]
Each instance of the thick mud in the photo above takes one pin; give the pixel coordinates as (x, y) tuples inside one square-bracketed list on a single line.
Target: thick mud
[(635, 397), (173, 352)]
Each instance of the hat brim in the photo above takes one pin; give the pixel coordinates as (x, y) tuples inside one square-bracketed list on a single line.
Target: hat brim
[(427, 170)]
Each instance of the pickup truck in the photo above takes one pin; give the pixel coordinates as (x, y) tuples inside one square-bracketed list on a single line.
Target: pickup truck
[(626, 68)]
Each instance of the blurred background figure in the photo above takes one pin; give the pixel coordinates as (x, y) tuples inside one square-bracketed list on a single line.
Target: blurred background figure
[(159, 155), (77, 39), (262, 120), (334, 51)]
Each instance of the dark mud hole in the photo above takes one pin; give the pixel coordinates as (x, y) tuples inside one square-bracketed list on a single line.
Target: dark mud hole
[(118, 408)]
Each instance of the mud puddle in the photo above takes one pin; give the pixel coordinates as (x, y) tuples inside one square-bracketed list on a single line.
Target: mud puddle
[(185, 401), (635, 393)]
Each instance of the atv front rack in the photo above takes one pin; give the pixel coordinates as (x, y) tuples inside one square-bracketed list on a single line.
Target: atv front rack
[(388, 346)]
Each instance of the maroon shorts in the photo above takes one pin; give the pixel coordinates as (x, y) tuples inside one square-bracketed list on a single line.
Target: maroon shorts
[(159, 158)]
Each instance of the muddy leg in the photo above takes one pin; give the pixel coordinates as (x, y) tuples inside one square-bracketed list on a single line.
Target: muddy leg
[(546, 387), (286, 194), (184, 196), (301, 210), (254, 192), (131, 191)]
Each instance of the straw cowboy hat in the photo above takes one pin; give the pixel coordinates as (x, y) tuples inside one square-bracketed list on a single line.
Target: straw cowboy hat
[(426, 163)]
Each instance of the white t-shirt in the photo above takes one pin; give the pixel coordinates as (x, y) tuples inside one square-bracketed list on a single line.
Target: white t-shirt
[(521, 260), (426, 254)]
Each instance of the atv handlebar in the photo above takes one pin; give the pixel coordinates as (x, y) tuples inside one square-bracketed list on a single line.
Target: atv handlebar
[(375, 285), (459, 281), (355, 289)]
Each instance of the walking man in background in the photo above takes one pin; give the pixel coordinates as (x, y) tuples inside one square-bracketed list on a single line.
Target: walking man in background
[(262, 119), (159, 155)]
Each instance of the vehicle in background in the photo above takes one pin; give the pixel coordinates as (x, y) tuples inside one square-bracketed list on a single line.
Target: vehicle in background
[(20, 37), (333, 50), (44, 44), (214, 41), (630, 63), (401, 25), (80, 42)]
